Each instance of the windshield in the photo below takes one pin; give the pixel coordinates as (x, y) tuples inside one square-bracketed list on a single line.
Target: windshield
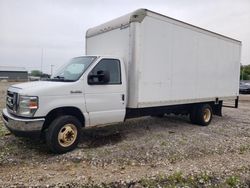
[(74, 69)]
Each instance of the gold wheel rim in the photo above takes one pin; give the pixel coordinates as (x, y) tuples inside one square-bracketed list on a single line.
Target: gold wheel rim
[(207, 115), (67, 135)]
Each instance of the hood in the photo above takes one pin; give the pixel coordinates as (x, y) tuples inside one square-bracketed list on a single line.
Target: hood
[(34, 84), (45, 88)]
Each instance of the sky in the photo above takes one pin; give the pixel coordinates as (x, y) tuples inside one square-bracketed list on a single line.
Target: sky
[(53, 31)]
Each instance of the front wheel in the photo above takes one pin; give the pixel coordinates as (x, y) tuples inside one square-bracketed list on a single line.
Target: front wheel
[(63, 134)]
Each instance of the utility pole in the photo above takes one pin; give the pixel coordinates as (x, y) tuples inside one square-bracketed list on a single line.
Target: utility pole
[(242, 73), (51, 69), (41, 61)]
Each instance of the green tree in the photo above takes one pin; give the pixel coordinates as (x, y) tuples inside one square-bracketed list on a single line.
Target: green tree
[(245, 72), (36, 73)]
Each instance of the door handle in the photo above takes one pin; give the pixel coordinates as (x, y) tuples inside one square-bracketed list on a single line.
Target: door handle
[(123, 97)]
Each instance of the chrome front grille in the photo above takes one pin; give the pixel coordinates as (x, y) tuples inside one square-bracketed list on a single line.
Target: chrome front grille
[(11, 101)]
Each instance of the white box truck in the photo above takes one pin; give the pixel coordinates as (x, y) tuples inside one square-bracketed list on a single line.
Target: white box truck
[(141, 64)]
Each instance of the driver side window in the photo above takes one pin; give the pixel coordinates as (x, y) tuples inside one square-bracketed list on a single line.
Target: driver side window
[(112, 66)]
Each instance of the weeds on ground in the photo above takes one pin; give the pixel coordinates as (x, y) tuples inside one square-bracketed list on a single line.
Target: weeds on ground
[(177, 179), (233, 181), (244, 148), (3, 130)]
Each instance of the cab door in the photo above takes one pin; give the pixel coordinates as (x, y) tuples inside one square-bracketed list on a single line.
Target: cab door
[(105, 89)]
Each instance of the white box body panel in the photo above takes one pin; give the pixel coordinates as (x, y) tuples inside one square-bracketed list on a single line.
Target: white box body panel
[(170, 62)]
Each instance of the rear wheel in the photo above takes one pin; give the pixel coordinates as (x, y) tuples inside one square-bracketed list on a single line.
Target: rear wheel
[(63, 134), (201, 114)]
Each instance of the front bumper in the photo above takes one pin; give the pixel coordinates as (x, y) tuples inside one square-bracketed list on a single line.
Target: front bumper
[(24, 127)]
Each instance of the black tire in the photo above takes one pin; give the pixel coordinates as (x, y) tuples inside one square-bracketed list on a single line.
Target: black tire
[(201, 118), (66, 126), (197, 114)]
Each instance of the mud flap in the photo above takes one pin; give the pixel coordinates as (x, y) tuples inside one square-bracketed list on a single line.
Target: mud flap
[(217, 108)]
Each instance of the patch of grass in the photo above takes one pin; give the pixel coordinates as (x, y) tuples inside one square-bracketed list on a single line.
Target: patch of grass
[(164, 143), (204, 178), (146, 182), (3, 130), (6, 151), (243, 149), (177, 179), (233, 181)]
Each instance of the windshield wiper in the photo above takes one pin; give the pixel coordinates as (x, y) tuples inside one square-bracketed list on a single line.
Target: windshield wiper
[(59, 77)]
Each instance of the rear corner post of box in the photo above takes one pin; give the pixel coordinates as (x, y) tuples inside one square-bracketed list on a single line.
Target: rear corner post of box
[(138, 15)]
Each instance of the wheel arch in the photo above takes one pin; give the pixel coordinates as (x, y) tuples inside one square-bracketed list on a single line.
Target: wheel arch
[(67, 110)]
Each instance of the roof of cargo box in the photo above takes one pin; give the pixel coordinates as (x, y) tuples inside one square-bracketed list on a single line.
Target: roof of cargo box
[(138, 16)]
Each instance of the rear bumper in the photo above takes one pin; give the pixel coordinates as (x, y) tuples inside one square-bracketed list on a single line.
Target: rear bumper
[(22, 126)]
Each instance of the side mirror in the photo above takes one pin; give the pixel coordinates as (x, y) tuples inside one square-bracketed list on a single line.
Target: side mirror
[(102, 77)]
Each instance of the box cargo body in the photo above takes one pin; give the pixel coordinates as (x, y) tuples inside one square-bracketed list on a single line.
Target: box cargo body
[(141, 64), (169, 62)]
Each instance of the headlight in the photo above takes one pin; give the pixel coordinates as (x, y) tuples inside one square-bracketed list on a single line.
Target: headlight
[(27, 106)]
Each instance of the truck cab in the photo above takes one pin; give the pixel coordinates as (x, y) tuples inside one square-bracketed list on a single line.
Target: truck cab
[(88, 91)]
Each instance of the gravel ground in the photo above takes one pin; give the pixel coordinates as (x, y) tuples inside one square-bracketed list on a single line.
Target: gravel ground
[(132, 151)]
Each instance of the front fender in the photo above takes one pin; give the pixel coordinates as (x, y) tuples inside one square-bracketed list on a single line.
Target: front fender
[(49, 103)]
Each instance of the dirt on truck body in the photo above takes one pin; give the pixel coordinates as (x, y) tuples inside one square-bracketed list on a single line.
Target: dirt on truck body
[(144, 152)]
